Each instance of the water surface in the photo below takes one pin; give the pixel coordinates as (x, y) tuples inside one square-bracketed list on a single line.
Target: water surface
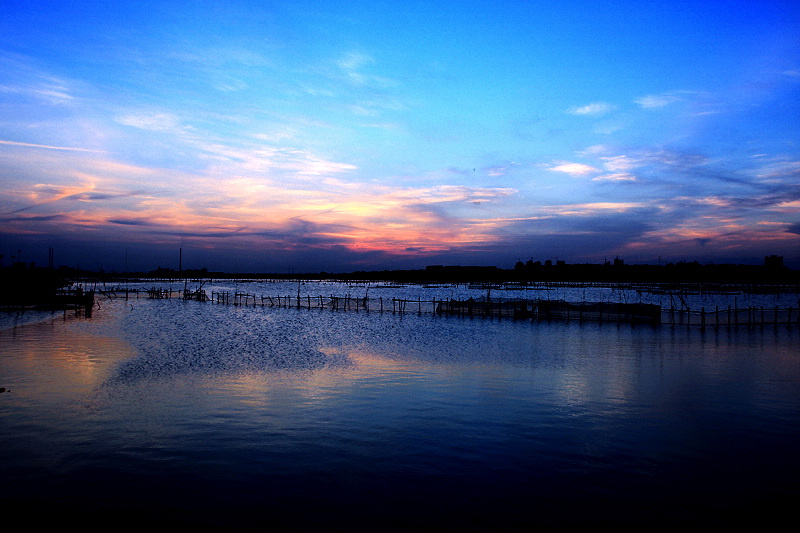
[(194, 414)]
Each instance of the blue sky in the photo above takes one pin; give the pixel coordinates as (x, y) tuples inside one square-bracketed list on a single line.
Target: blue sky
[(308, 136)]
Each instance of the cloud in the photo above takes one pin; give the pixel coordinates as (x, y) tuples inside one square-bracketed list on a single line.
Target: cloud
[(24, 78), (595, 149), (353, 61), (789, 207), (595, 108), (591, 208), (655, 101), (130, 222), (617, 176), (52, 92), (249, 193), (620, 163), (48, 147), (777, 171), (153, 121), (574, 169), (352, 65)]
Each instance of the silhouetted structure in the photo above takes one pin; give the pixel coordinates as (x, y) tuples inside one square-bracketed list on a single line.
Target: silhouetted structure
[(28, 287)]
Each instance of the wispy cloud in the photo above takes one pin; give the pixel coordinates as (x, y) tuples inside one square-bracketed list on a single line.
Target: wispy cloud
[(153, 121), (595, 108), (353, 65), (48, 147), (620, 163), (617, 176), (655, 101), (51, 91), (591, 208)]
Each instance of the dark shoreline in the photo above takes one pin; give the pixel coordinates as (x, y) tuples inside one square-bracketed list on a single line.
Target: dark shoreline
[(57, 288), (530, 273)]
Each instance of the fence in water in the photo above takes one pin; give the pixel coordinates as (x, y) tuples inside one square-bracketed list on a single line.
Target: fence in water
[(537, 309), (514, 308)]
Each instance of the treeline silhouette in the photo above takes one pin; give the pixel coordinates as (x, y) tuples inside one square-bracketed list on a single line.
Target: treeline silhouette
[(618, 272), (16, 282), (531, 272)]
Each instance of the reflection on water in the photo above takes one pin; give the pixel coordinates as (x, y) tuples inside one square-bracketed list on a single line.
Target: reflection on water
[(221, 416)]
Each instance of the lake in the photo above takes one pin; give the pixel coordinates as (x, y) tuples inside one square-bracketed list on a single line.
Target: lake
[(193, 414)]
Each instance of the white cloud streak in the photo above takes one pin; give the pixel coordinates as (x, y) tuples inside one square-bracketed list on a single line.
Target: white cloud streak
[(656, 101), (574, 169), (48, 147), (595, 108)]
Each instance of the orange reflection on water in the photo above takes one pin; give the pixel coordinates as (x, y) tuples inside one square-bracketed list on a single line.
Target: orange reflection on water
[(47, 360)]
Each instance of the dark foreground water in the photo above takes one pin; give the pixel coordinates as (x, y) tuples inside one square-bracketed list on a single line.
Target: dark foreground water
[(170, 413)]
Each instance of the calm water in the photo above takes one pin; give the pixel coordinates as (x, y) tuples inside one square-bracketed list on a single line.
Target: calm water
[(193, 414)]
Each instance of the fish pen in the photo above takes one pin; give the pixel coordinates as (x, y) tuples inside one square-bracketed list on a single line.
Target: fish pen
[(73, 299), (514, 308), (732, 316), (491, 308)]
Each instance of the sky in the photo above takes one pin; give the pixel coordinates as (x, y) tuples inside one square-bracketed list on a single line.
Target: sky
[(339, 136)]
